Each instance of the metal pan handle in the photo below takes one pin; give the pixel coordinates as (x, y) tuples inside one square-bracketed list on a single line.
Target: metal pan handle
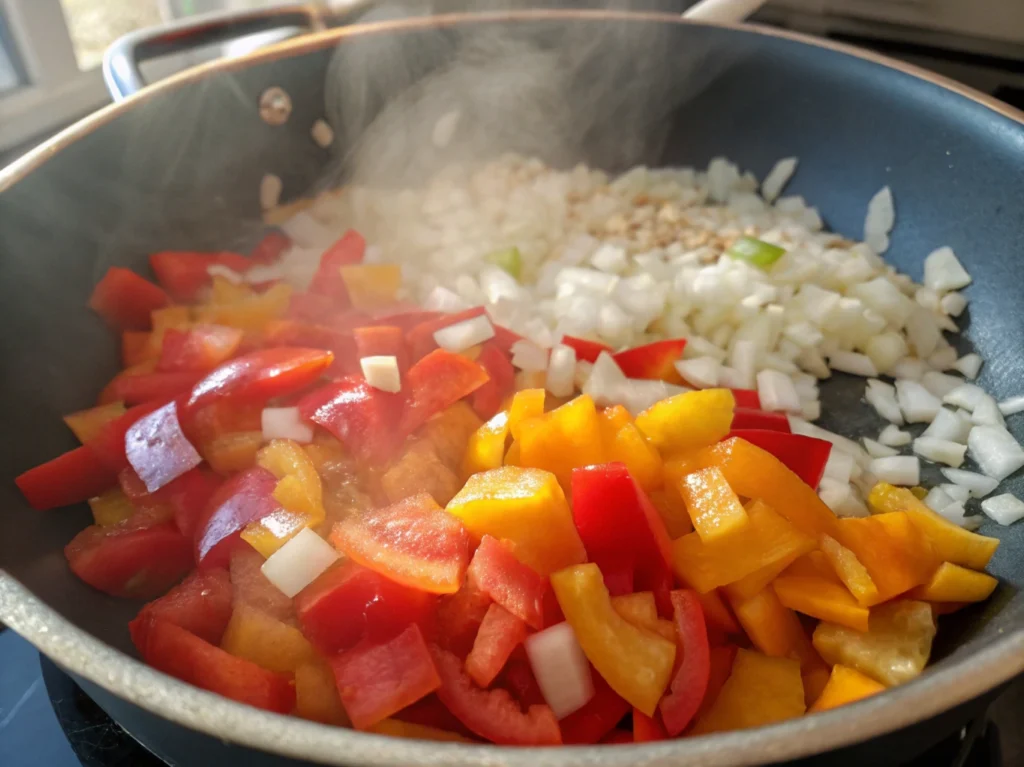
[(121, 61)]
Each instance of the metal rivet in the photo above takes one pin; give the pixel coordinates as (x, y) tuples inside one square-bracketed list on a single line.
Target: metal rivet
[(275, 106)]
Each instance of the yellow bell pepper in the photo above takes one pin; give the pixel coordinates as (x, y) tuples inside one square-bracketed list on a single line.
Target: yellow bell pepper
[(231, 452), (715, 509), (850, 570), (397, 729), (525, 506), (224, 291), (845, 685), (630, 447), (486, 447), (371, 286), (562, 439), (688, 421), (111, 507), (86, 424), (274, 530), (773, 628), (760, 690), (636, 663), (821, 598), (448, 431), (266, 641), (640, 610), (526, 404), (765, 540), (893, 650), (672, 511), (316, 695), (419, 470), (892, 549), (614, 418), (950, 542), (813, 564), (253, 313), (952, 583)]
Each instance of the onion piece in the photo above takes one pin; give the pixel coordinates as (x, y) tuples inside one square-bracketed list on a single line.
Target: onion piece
[(285, 423), (270, 191), (940, 384), (956, 514), (839, 467), (937, 499), (854, 363), (995, 451), (949, 425), (464, 335), (909, 368), (882, 397), (583, 369), (970, 365), (702, 372), (953, 304), (893, 437), (878, 450), (978, 485), (902, 470), (561, 669), (527, 355), (561, 379), (606, 383), (842, 498), (917, 403), (638, 394), (299, 562), (777, 178), (940, 450), (1004, 509), (382, 372), (943, 271), (1012, 406), (967, 396), (777, 392), (441, 299), (957, 493), (987, 413)]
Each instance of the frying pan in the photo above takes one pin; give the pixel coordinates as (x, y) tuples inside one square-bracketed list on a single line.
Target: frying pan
[(118, 186)]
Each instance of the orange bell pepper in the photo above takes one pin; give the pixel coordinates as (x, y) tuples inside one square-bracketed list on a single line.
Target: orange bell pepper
[(562, 439), (233, 451), (448, 431), (86, 424), (624, 443), (952, 583), (525, 506), (893, 650), (845, 685), (253, 635), (672, 511), (486, 447), (224, 291), (253, 313), (614, 418), (640, 610), (813, 564), (950, 542), (850, 571), (773, 628), (371, 286), (526, 404), (766, 539), (636, 663), (111, 507), (397, 729), (821, 598), (417, 470), (135, 347), (719, 617), (688, 421), (316, 695), (715, 509), (892, 549), (760, 690)]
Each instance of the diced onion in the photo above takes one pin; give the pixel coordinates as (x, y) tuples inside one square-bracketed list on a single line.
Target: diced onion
[(1004, 509), (957, 493), (285, 423), (893, 437), (1012, 406), (606, 382), (943, 271), (777, 178), (842, 498), (854, 363), (382, 373), (977, 484), (967, 396), (638, 394), (937, 499), (527, 355), (561, 669), (839, 467), (441, 299), (970, 365), (909, 368), (882, 397), (949, 425), (464, 335), (776, 392), (299, 562), (987, 413), (917, 403), (561, 380), (940, 384), (583, 369), (940, 450), (701, 372), (899, 470), (955, 513), (953, 304), (878, 450), (995, 451)]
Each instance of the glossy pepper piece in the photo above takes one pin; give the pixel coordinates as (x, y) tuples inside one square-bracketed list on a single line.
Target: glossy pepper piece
[(497, 572), (690, 681), (87, 424), (774, 629), (253, 313), (641, 609), (647, 729), (72, 477), (500, 633), (952, 583), (845, 685), (688, 421), (526, 404), (111, 507), (266, 641), (419, 470), (372, 285), (486, 447), (157, 448), (822, 599), (637, 664), (714, 508), (327, 281), (745, 418), (850, 570), (436, 382), (201, 348), (183, 274), (244, 498), (654, 361), (316, 695), (200, 604), (562, 439), (892, 549), (365, 419), (804, 456), (487, 400), (623, 443), (125, 300)]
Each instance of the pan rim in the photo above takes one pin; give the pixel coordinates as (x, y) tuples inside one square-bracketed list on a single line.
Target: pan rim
[(79, 652)]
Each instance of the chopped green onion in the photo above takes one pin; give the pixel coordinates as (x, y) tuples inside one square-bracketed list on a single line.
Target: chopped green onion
[(508, 259), (756, 252)]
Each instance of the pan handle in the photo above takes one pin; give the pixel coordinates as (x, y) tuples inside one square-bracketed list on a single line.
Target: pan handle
[(121, 61)]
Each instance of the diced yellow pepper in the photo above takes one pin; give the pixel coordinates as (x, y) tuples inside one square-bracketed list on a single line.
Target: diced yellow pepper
[(111, 507), (86, 424), (486, 447), (419, 470), (526, 404), (224, 291), (850, 570), (266, 641), (371, 286), (845, 685), (641, 610), (952, 583), (715, 509), (233, 451), (630, 447), (448, 431), (688, 421), (562, 439), (672, 511), (253, 313), (821, 598), (614, 418), (316, 695), (274, 530)]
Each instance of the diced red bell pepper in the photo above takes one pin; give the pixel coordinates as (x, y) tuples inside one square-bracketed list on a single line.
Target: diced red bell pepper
[(586, 351), (189, 496), (421, 336), (654, 577), (126, 300), (747, 398), (181, 654), (313, 308), (130, 561), (618, 576), (647, 729), (517, 587), (158, 449), (109, 444), (431, 712), (261, 375), (500, 633), (142, 388), (201, 604), (654, 361), (487, 400), (327, 281), (804, 456), (414, 542), (246, 497), (459, 616), (436, 382), (316, 336), (504, 338), (184, 274), (251, 587), (552, 610), (73, 477), (378, 679), (597, 718), (201, 348), (269, 249), (747, 418), (492, 714), (688, 686), (365, 419), (617, 737), (382, 341), (518, 679), (349, 603), (134, 348)]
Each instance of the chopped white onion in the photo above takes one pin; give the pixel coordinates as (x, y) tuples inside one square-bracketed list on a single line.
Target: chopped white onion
[(995, 451), (949, 425), (937, 499), (970, 365), (1004, 509), (978, 485), (957, 493), (285, 423), (943, 359), (987, 413), (381, 372), (743, 359), (527, 355), (943, 271), (852, 362), (583, 369), (777, 178), (638, 394), (561, 380), (899, 470), (966, 396), (441, 299), (956, 514), (606, 383), (841, 443), (1012, 406), (464, 335), (882, 397), (299, 562), (839, 467), (917, 403), (878, 450), (940, 384), (842, 498), (909, 368), (940, 450), (880, 219), (561, 669), (893, 437), (776, 392), (701, 372), (953, 304)]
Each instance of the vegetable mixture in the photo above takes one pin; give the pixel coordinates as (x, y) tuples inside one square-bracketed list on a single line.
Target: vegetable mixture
[(357, 511)]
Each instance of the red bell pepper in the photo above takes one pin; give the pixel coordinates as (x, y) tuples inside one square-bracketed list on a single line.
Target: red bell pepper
[(181, 654), (647, 729), (406, 319), (436, 382), (746, 418), (747, 399), (376, 680), (487, 400), (688, 686), (73, 477), (126, 300), (327, 281), (653, 361), (349, 603), (365, 419), (804, 456), (261, 375), (134, 348), (313, 308), (617, 737), (517, 587), (459, 616), (382, 341), (188, 496), (269, 249), (504, 338), (183, 274), (142, 388), (518, 679), (492, 714), (316, 336), (619, 576), (586, 351), (431, 712), (201, 348), (158, 449), (130, 561), (421, 336), (201, 604), (413, 542), (500, 633), (109, 444), (250, 586), (246, 497), (597, 718)]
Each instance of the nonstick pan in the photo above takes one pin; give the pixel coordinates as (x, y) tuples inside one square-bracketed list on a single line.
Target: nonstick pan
[(178, 165)]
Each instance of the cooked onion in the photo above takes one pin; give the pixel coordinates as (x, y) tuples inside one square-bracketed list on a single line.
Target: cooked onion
[(299, 562)]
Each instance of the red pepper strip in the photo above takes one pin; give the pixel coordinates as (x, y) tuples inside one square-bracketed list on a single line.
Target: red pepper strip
[(586, 351), (596, 719), (492, 714), (647, 729), (365, 419), (654, 361), (496, 572), (487, 400), (346, 251), (183, 274), (269, 249), (382, 341), (500, 633), (747, 398), (246, 497), (73, 477), (200, 348), (518, 679), (126, 300), (158, 449), (188, 496), (746, 418), (140, 388), (459, 616), (200, 604), (109, 445), (436, 382), (804, 456), (311, 307), (430, 712), (421, 337), (504, 338), (618, 576), (686, 691)]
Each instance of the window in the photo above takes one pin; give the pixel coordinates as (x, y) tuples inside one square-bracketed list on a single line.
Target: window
[(95, 24)]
